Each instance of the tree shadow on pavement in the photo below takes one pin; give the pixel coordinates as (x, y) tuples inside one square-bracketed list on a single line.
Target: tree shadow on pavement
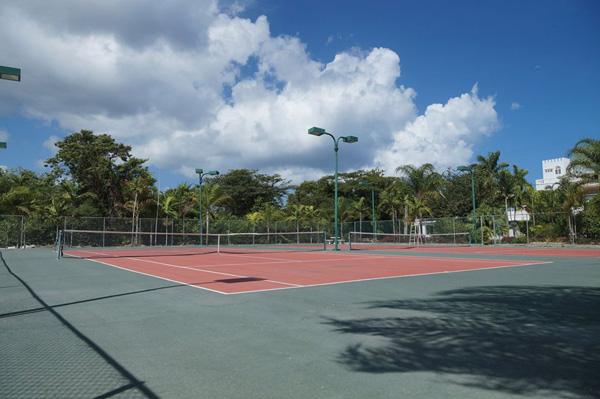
[(513, 339)]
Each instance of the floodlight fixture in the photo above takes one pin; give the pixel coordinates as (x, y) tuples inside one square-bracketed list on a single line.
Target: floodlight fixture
[(316, 131), (10, 73)]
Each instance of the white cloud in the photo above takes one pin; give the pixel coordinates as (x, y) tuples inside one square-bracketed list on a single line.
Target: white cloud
[(49, 144), (444, 135), (4, 135), (515, 106), (192, 87)]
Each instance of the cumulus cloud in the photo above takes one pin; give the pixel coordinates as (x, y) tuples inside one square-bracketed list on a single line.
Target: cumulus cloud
[(444, 135), (49, 144), (188, 85)]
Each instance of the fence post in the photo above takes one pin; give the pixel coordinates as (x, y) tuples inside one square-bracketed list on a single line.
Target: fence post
[(527, 229), (22, 238), (481, 228), (454, 228)]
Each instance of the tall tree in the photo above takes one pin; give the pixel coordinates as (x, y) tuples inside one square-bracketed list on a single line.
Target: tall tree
[(296, 213), (213, 196), (360, 208), (391, 201), (250, 189), (98, 165), (139, 191), (487, 174), (422, 183), (186, 200), (269, 213)]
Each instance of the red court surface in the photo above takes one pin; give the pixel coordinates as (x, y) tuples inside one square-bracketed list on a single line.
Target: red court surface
[(247, 272), (480, 250)]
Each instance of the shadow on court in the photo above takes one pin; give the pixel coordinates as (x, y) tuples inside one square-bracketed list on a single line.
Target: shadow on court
[(43, 355), (513, 339)]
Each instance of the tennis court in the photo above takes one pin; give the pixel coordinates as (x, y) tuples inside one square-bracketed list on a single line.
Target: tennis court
[(305, 322), (245, 271)]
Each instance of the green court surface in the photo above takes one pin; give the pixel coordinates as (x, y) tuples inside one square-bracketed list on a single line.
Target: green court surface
[(76, 328)]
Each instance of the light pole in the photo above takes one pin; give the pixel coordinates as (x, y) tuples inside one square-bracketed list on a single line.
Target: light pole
[(201, 174), (317, 131), (470, 170), (364, 183)]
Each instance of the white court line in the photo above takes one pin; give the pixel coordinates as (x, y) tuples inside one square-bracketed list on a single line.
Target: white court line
[(213, 272), (290, 285), (390, 277)]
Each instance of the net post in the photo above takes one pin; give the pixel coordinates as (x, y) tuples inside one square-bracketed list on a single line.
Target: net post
[(59, 245), (324, 241), (218, 243), (349, 241)]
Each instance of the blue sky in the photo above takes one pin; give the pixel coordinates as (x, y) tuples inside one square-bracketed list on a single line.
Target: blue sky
[(192, 84)]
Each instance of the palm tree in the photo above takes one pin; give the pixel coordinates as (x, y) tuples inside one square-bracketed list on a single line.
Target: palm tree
[(187, 200), (213, 197), (586, 154), (574, 198), (55, 211), (345, 212), (520, 184), (422, 183), (19, 200), (532, 199), (312, 214), (139, 188), (168, 208), (390, 200), (296, 214), (491, 164), (506, 186), (269, 213), (73, 196), (488, 172), (359, 207), (253, 218), (417, 207)]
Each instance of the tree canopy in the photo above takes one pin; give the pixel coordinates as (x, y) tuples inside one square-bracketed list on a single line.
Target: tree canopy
[(98, 165), (93, 175)]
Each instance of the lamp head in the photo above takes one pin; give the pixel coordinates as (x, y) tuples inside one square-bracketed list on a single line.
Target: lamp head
[(316, 131), (464, 168), (364, 183), (213, 172), (9, 73), (350, 139), (199, 171)]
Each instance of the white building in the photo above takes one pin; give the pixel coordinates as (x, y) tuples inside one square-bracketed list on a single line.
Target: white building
[(554, 170)]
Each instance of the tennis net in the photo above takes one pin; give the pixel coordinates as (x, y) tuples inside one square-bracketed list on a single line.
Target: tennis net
[(375, 241), (99, 244)]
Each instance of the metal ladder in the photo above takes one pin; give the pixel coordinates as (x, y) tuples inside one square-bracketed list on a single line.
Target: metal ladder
[(415, 233)]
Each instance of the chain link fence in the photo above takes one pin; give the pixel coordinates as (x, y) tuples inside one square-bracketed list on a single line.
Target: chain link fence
[(560, 228), (511, 228)]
